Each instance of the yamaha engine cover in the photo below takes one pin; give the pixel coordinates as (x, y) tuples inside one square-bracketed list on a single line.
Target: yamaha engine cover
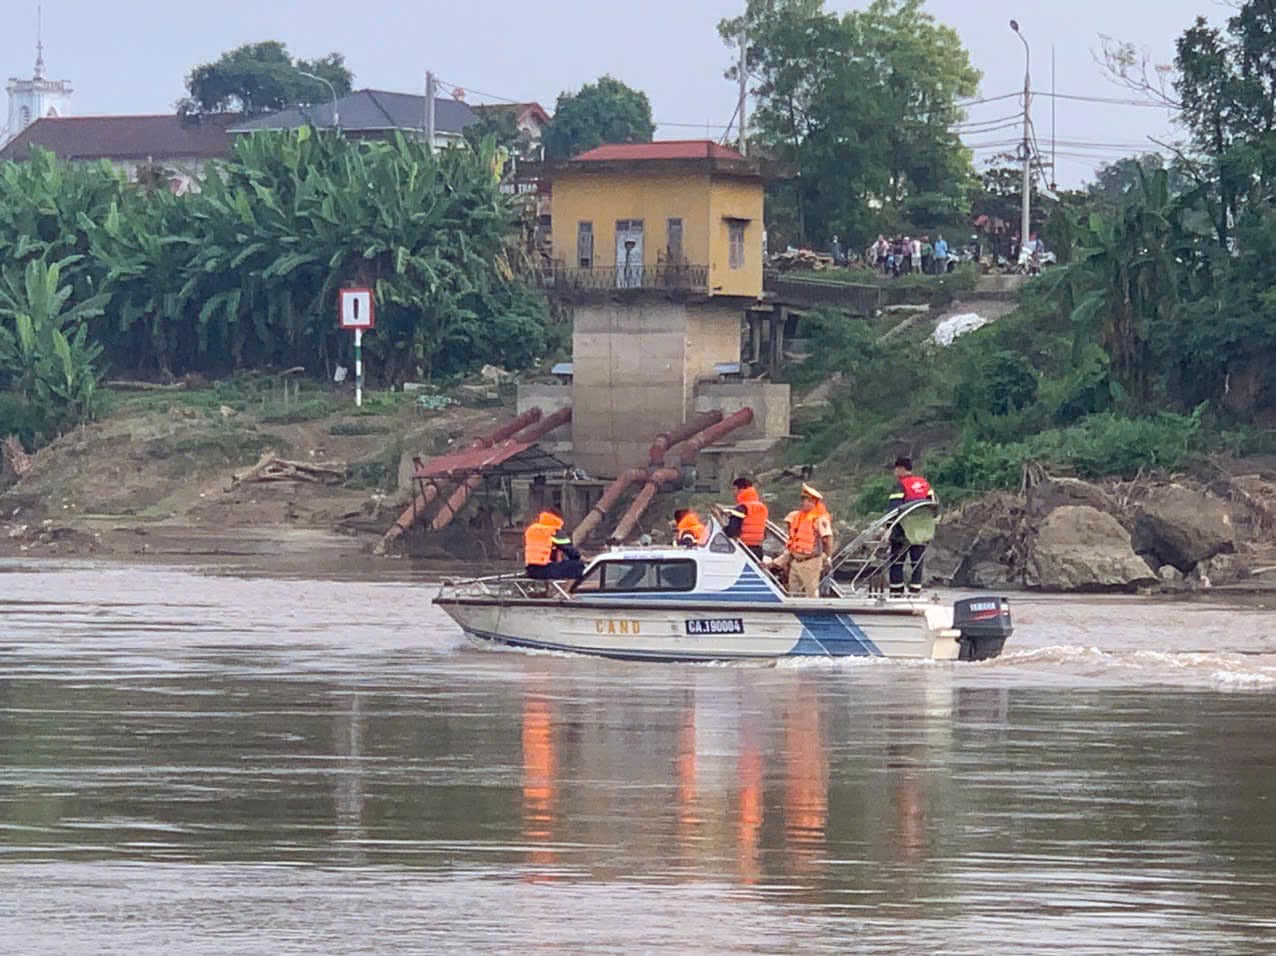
[(985, 625)]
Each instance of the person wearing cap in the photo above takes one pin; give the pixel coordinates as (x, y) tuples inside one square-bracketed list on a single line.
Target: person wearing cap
[(691, 531), (548, 553), (746, 521), (910, 536), (810, 545)]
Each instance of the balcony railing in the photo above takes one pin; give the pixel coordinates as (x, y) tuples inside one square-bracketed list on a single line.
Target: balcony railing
[(683, 278)]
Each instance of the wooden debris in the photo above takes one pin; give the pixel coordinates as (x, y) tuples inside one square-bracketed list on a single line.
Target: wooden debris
[(272, 468), (798, 260), (127, 385), (15, 457)]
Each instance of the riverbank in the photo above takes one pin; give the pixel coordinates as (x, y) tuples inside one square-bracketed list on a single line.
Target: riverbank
[(170, 473)]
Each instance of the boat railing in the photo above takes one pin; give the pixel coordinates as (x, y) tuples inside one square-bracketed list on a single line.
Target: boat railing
[(871, 553), (511, 586)]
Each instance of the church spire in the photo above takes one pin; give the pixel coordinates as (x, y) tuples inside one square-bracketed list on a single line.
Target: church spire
[(39, 41)]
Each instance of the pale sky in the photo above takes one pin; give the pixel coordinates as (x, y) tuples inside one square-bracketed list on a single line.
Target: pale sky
[(131, 56)]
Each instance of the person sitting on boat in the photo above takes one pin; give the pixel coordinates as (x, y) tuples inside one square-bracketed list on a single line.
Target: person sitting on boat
[(910, 535), (691, 531), (548, 553), (746, 522), (810, 546)]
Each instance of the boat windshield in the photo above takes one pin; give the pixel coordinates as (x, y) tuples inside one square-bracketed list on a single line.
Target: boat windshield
[(627, 577)]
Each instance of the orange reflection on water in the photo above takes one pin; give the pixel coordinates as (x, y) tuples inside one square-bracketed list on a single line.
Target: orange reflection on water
[(540, 768), (806, 784), (749, 813), (688, 794)]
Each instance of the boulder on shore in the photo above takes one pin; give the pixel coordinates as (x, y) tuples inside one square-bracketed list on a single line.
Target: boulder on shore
[(1182, 527), (1045, 496), (1080, 548)]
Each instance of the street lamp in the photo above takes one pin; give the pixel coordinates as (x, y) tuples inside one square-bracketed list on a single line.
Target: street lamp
[(1026, 222), (336, 113)]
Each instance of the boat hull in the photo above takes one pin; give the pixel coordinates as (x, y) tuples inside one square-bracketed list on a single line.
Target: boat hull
[(711, 632)]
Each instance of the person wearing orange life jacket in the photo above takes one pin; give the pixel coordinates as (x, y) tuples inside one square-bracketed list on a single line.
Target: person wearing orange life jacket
[(548, 553), (746, 521), (691, 532), (911, 488), (810, 545)]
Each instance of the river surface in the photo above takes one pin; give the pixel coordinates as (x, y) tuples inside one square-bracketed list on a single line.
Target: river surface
[(210, 762)]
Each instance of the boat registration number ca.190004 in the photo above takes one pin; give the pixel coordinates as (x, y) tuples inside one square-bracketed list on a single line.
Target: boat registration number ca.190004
[(717, 625)]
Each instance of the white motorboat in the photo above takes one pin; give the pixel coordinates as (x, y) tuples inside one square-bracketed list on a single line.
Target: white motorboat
[(711, 604)]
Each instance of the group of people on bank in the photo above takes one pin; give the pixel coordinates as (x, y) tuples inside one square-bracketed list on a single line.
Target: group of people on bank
[(808, 552)]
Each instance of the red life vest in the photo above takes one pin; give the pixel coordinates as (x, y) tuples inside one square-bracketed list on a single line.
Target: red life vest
[(753, 532), (916, 488)]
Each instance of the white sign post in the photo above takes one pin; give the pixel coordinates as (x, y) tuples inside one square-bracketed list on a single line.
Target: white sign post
[(357, 313)]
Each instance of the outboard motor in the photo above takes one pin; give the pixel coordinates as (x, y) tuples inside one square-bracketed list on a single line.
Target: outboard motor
[(985, 624)]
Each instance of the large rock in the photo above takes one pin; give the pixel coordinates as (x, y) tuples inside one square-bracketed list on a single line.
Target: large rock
[(972, 546), (1080, 548), (1045, 496), (1182, 527)]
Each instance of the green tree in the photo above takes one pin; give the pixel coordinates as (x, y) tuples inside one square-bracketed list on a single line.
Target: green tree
[(863, 106), (262, 77), (607, 111), (1126, 281)]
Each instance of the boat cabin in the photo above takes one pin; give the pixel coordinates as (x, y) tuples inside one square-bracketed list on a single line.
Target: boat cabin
[(720, 570)]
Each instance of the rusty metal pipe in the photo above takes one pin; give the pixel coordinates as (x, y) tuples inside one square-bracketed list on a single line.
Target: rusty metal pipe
[(416, 508), (687, 429), (661, 476), (455, 502), (613, 493), (685, 452), (543, 426), (452, 507)]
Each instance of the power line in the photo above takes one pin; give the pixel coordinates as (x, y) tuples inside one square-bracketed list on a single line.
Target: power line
[(987, 99), (970, 124), (1109, 100)]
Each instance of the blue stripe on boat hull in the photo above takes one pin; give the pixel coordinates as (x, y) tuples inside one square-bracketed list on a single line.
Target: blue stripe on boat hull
[(832, 635)]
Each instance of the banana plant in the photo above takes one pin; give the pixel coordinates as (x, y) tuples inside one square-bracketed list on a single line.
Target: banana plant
[(44, 346)]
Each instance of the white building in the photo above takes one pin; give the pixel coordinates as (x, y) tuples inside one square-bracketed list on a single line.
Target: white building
[(36, 98)]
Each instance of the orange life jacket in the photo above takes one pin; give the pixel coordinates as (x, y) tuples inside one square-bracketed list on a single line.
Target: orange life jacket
[(538, 540), (692, 525), (804, 540), (753, 532), (916, 488)]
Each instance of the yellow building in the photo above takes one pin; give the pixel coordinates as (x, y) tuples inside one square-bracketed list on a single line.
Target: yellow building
[(684, 215)]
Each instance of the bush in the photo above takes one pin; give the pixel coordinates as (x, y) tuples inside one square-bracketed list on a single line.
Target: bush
[(22, 418), (1100, 446)]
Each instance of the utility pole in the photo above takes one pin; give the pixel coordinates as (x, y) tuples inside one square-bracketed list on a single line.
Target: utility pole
[(1054, 148), (1026, 222), (744, 93), (430, 86)]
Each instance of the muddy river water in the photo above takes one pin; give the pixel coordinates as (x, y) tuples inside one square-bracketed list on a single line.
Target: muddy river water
[(215, 762)]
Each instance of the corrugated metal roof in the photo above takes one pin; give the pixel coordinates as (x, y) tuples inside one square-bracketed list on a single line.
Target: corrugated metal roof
[(369, 110), (507, 458), (664, 149)]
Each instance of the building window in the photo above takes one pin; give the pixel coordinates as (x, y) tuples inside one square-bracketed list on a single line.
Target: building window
[(673, 245), (24, 117), (585, 245), (735, 232)]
